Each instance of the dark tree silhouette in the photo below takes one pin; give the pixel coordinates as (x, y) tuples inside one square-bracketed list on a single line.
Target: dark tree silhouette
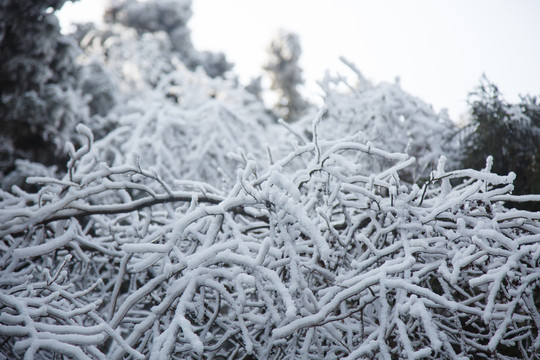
[(510, 133)]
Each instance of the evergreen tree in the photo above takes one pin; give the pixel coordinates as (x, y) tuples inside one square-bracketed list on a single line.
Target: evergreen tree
[(39, 102), (510, 133), (284, 53)]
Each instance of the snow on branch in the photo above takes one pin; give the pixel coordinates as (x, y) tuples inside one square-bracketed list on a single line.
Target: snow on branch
[(309, 257)]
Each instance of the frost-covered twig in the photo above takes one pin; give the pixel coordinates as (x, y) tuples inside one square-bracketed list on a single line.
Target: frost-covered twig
[(310, 256)]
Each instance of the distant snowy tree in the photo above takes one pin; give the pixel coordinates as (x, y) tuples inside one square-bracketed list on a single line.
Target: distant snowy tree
[(97, 84), (182, 124), (284, 53), (133, 63), (255, 87), (170, 17)]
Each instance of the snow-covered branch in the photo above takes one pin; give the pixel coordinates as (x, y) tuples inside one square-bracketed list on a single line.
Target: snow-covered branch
[(309, 257)]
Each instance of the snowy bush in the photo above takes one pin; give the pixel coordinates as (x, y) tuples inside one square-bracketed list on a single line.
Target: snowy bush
[(389, 118), (176, 122), (305, 258), (192, 127)]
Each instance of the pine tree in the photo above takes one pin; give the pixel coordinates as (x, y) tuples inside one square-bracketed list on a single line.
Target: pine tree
[(39, 102), (509, 133), (284, 53)]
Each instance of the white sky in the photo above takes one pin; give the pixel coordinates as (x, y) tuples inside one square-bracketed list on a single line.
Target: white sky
[(439, 48)]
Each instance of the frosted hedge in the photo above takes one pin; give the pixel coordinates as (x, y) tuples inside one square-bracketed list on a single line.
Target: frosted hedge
[(309, 257)]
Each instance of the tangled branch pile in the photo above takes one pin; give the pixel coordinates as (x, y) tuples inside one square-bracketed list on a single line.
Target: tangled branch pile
[(311, 257)]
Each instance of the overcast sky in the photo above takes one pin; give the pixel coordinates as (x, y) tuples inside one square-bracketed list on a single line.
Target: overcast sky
[(439, 49)]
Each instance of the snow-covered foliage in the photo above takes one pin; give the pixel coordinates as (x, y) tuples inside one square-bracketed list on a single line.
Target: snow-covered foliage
[(193, 127), (45, 91), (170, 18), (134, 63), (150, 16), (40, 102), (389, 118), (179, 123), (313, 261)]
